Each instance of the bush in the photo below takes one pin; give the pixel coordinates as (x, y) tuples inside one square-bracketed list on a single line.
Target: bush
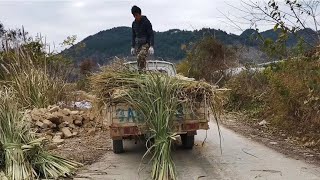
[(35, 88), (248, 91), (294, 95), (36, 77), (286, 93), (33, 85), (86, 68), (207, 59)]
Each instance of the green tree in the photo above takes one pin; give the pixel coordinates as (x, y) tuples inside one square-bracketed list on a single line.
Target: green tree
[(207, 59)]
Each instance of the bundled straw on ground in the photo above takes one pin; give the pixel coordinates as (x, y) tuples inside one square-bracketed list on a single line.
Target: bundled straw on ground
[(22, 155), (156, 97)]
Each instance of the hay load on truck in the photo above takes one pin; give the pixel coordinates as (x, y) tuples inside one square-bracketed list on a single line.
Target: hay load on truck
[(126, 123), (156, 104)]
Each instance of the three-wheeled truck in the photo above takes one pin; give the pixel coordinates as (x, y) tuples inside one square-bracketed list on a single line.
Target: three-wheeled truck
[(124, 121)]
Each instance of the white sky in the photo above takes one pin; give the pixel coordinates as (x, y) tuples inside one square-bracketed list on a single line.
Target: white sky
[(57, 19)]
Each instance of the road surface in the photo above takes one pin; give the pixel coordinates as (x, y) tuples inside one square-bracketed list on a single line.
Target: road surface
[(241, 159)]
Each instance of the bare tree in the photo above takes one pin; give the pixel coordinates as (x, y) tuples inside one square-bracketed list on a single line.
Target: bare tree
[(288, 15), (312, 9)]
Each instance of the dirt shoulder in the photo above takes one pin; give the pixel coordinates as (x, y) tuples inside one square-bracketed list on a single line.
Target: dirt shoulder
[(87, 147), (274, 138)]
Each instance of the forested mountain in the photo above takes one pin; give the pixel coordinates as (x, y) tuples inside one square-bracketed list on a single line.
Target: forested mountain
[(104, 45)]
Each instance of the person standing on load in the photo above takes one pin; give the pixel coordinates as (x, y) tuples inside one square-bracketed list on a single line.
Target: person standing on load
[(142, 38)]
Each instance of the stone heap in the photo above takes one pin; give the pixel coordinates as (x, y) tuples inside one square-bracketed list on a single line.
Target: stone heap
[(56, 123)]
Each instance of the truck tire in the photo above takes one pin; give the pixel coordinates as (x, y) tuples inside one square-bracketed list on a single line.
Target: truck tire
[(117, 146), (187, 141)]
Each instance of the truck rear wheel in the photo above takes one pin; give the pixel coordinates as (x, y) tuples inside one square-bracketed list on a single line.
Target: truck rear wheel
[(187, 141), (117, 146)]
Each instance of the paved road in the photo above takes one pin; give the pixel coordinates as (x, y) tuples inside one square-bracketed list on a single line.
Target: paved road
[(241, 159)]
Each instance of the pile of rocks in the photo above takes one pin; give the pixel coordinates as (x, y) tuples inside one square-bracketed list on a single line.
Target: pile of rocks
[(56, 123)]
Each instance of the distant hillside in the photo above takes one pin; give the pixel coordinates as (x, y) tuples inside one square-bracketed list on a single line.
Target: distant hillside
[(106, 44)]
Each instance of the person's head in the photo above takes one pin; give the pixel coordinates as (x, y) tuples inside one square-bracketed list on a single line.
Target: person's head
[(136, 12)]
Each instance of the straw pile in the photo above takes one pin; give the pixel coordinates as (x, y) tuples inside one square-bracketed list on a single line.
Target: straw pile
[(113, 86), (156, 97)]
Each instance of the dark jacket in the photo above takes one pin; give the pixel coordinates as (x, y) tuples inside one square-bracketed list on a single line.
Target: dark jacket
[(142, 32)]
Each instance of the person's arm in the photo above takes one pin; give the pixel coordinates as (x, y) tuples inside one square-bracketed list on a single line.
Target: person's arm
[(150, 33), (133, 40)]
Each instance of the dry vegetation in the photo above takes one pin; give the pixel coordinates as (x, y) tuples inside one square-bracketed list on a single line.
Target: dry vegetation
[(28, 79), (286, 94)]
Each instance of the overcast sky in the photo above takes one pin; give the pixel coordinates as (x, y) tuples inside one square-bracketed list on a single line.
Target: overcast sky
[(57, 19)]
